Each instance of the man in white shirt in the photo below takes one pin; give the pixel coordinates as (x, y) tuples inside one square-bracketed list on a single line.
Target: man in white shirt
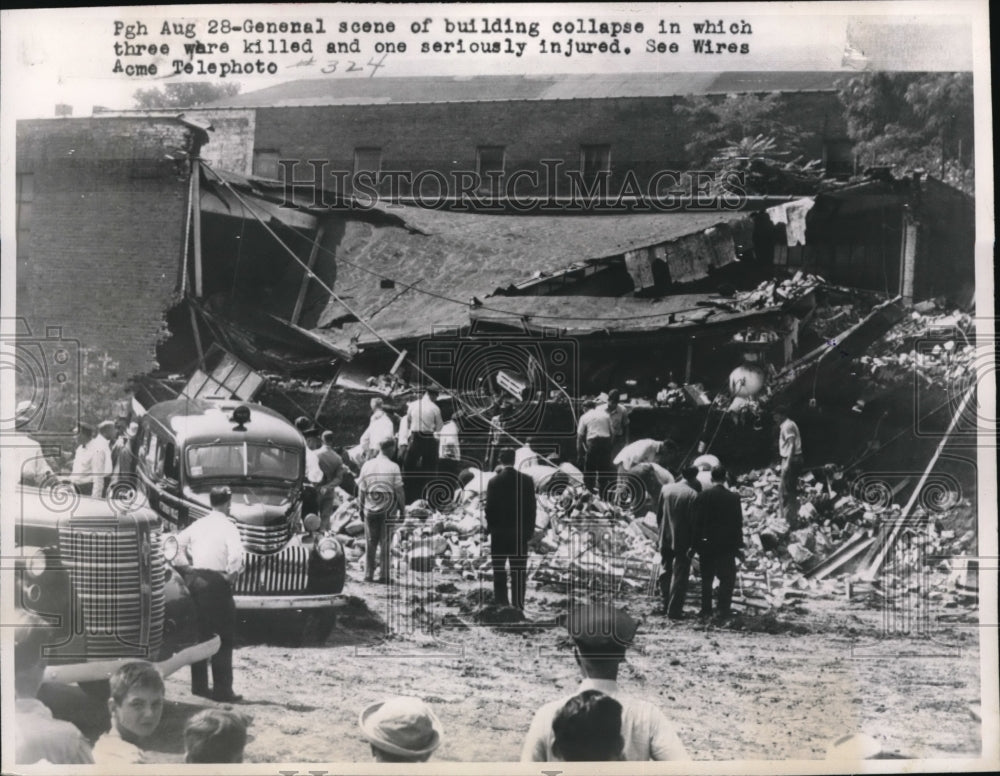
[(422, 457), (136, 705), (790, 451), (26, 454), (37, 737), (82, 474), (101, 464), (450, 446), (210, 558), (380, 427), (601, 635), (619, 419), (380, 497), (638, 463), (593, 445)]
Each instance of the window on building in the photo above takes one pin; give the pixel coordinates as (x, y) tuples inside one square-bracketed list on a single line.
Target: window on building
[(265, 163), (489, 160), (367, 160), (594, 159), (838, 157), (25, 199)]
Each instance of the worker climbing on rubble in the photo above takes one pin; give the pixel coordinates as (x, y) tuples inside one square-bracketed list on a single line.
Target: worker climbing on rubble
[(790, 450)]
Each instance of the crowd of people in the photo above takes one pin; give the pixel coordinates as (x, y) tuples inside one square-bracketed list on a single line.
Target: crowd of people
[(598, 721), (105, 453), (697, 515)]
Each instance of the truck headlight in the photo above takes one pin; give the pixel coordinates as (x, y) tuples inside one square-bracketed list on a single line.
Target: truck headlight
[(37, 563), (311, 521), (170, 548), (328, 548)]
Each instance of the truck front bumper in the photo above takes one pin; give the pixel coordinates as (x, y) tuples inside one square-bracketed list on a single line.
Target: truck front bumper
[(103, 669), (252, 602)]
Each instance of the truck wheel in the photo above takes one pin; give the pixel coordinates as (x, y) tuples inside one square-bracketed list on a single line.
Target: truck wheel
[(317, 624)]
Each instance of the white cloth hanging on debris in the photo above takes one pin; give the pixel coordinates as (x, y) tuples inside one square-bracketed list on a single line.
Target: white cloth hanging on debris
[(639, 265), (793, 216)]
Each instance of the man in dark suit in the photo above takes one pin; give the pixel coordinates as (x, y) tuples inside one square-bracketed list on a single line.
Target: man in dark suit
[(510, 520), (718, 531), (675, 519)]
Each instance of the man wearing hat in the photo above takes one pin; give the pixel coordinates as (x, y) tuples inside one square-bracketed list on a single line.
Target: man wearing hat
[(26, 453), (401, 730), (124, 453), (210, 558), (601, 635)]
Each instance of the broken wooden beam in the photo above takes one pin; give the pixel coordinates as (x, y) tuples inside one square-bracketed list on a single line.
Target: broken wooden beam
[(875, 567)]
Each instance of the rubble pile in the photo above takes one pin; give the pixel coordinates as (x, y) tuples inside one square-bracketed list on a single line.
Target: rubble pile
[(939, 349), (592, 544), (771, 293), (785, 562)]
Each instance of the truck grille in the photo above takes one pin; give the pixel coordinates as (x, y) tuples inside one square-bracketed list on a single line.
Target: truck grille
[(283, 572), (118, 575), (265, 538)]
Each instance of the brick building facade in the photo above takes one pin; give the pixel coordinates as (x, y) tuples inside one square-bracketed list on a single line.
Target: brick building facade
[(447, 126), (101, 223)]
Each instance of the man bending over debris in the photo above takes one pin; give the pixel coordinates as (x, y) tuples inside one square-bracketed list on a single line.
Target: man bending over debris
[(601, 634)]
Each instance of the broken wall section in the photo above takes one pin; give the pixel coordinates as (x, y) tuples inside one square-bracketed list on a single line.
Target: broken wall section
[(101, 224)]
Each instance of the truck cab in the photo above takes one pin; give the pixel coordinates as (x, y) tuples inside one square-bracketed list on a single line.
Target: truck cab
[(188, 446)]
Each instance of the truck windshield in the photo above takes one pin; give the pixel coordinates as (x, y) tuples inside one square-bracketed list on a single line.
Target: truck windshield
[(243, 459)]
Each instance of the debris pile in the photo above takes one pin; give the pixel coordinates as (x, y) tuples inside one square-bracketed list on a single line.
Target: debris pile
[(595, 544), (584, 540), (939, 349), (771, 293)]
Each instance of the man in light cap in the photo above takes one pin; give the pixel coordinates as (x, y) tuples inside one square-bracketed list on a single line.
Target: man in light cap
[(601, 635), (401, 730)]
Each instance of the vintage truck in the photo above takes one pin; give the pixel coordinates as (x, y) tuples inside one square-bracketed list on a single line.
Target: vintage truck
[(98, 571), (186, 447)]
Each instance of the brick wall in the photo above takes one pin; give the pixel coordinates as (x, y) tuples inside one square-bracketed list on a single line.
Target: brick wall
[(105, 236), (230, 144), (644, 134)]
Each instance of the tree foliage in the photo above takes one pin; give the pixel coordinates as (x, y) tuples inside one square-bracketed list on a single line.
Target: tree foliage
[(912, 121), (715, 123), (183, 95)]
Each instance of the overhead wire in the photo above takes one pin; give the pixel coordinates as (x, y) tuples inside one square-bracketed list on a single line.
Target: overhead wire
[(312, 275)]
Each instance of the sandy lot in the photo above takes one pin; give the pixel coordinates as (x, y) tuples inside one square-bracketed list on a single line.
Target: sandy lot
[(776, 686)]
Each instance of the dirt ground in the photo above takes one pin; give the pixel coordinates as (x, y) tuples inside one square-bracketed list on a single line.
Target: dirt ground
[(776, 686)]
